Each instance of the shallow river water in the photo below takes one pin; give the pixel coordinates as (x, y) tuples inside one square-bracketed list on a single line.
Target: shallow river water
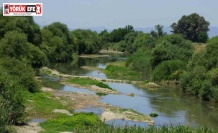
[(173, 106)]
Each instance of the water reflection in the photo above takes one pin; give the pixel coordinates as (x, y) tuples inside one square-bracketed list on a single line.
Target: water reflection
[(74, 89), (122, 123), (98, 111)]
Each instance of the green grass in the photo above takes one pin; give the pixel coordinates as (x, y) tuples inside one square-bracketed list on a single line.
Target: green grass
[(118, 70), (137, 129), (41, 104), (45, 72), (69, 123), (88, 81), (101, 94)]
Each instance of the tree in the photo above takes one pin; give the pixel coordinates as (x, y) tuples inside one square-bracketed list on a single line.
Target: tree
[(22, 24), (58, 44), (141, 61), (88, 41), (15, 45), (159, 31), (172, 47), (118, 34), (193, 27)]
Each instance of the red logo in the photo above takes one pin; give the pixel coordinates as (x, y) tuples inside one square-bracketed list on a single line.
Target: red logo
[(22, 9)]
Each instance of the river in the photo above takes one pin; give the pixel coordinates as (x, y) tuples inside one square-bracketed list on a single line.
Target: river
[(172, 104)]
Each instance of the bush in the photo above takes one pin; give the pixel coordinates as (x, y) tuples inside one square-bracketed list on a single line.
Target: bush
[(201, 78), (115, 71), (141, 61), (168, 70), (11, 100), (21, 72)]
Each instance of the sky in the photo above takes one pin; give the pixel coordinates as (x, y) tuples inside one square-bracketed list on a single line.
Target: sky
[(113, 14)]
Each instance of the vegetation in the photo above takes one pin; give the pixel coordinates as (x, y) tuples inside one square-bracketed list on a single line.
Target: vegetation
[(69, 123), (121, 71), (42, 104), (101, 94), (57, 42), (200, 79), (57, 125), (88, 81), (88, 41), (153, 114)]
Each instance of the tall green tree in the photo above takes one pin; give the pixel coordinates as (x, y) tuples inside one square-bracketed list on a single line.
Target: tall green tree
[(15, 45), (193, 27), (159, 31), (88, 41), (57, 43), (118, 34)]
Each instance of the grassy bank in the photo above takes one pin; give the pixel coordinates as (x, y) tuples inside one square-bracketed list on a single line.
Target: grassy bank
[(118, 70), (42, 104), (88, 81), (89, 123), (137, 129)]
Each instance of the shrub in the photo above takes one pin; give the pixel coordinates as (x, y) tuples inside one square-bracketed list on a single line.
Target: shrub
[(168, 70), (11, 100)]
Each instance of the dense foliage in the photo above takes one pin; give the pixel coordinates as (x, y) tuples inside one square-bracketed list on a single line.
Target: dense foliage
[(201, 77), (57, 42), (88, 41)]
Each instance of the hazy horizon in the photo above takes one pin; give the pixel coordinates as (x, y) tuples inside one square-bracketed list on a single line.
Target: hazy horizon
[(113, 14)]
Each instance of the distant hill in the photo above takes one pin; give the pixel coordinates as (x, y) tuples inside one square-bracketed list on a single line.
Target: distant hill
[(213, 32), (149, 29)]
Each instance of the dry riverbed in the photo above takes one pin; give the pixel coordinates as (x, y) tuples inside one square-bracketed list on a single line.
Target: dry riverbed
[(81, 100)]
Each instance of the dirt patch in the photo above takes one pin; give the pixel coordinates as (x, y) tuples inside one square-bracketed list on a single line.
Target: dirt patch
[(110, 51), (93, 56), (46, 89), (31, 127), (81, 100), (149, 85), (63, 111), (199, 46), (124, 114), (92, 68)]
